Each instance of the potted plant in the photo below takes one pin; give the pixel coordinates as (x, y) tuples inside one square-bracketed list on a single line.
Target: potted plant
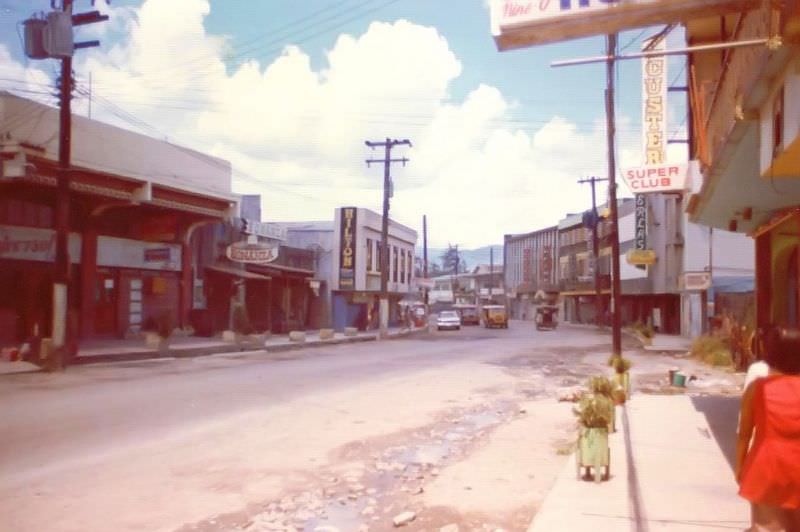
[(621, 367), (601, 385), (594, 415)]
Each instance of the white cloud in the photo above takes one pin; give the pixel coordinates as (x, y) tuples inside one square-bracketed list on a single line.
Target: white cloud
[(296, 134)]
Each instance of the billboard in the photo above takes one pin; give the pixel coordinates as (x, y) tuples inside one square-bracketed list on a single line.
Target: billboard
[(522, 23)]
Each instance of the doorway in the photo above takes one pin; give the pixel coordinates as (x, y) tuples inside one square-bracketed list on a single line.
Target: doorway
[(105, 303)]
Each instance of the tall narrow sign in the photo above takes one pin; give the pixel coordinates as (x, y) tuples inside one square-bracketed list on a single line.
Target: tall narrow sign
[(654, 128), (347, 249)]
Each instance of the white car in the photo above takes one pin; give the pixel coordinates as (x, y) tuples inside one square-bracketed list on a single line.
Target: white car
[(448, 319)]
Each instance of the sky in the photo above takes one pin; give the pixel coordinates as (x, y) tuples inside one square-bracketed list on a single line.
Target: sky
[(288, 92)]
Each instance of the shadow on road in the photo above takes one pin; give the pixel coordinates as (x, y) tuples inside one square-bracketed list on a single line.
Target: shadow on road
[(722, 414)]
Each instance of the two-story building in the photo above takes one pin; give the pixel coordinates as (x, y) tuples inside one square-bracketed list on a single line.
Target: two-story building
[(347, 267), (135, 203), (746, 135)]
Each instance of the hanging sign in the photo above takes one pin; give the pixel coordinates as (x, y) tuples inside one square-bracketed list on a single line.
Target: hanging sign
[(641, 257), (347, 248), (521, 23), (659, 178), (691, 281), (252, 252)]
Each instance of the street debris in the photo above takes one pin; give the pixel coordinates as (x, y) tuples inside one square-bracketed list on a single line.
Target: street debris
[(404, 518)]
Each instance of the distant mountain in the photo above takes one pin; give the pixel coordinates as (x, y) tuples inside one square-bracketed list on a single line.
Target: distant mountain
[(473, 257)]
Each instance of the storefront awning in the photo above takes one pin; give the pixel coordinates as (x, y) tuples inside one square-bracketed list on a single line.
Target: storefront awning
[(279, 268), (244, 274)]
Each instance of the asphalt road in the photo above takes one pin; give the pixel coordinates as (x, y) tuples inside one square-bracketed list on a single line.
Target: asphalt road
[(49, 420), (55, 425)]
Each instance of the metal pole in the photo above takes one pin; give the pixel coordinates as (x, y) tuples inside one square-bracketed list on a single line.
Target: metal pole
[(616, 285), (661, 53)]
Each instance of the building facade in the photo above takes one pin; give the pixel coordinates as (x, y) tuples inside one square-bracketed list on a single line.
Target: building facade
[(748, 145), (530, 264), (135, 203), (356, 274)]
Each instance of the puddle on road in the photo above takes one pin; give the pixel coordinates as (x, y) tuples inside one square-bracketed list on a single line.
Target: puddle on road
[(336, 516), (397, 473)]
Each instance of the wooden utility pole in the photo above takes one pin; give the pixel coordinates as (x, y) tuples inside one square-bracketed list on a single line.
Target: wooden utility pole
[(491, 275), (616, 285), (598, 289), (387, 161), (425, 255), (61, 276)]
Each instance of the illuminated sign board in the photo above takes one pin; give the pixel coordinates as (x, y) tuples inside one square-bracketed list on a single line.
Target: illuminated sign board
[(347, 249), (659, 177), (252, 252), (521, 23), (641, 257)]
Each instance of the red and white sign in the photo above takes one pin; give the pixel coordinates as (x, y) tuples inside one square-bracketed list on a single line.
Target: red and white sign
[(659, 178), (34, 244), (521, 23), (252, 253)]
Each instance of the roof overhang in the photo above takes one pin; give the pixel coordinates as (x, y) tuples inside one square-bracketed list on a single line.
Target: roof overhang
[(519, 24)]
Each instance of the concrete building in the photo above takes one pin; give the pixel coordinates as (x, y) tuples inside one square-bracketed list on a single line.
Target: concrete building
[(484, 285), (530, 264), (347, 266), (748, 145), (135, 204)]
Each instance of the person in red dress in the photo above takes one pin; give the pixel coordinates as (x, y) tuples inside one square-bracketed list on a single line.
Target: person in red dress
[(768, 450)]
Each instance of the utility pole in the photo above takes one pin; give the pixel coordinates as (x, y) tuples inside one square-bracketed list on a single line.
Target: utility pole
[(616, 285), (52, 38), (598, 303), (388, 190), (62, 209), (491, 275), (425, 255)]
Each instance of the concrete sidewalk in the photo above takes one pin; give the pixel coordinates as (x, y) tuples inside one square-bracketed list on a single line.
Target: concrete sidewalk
[(671, 469), (186, 347), (669, 343)]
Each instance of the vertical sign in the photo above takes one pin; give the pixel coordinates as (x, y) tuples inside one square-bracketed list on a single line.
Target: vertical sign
[(526, 266), (641, 222), (654, 128), (547, 266), (347, 249)]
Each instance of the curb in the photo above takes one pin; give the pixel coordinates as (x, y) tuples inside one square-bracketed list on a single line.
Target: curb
[(229, 349)]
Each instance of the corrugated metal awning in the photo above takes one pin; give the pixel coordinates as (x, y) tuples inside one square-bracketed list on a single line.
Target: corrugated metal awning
[(244, 274)]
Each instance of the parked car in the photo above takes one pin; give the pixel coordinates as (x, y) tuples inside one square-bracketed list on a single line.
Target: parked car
[(448, 319)]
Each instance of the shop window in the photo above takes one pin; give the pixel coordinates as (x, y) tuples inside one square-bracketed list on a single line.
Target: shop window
[(394, 264), (402, 266)]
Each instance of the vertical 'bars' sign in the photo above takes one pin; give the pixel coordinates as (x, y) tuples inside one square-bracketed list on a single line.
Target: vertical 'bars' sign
[(347, 248)]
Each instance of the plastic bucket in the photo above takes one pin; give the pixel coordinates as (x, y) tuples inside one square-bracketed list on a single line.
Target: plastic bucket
[(679, 379)]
